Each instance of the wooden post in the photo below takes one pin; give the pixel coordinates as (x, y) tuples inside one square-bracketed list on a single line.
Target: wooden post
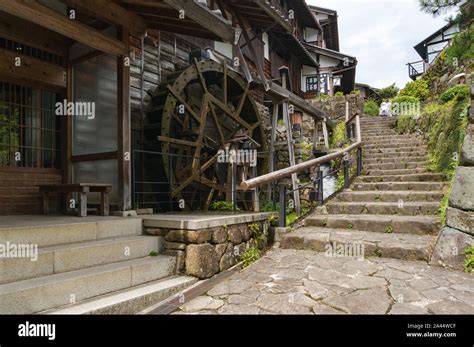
[(315, 134), (123, 126), (325, 134), (272, 141), (291, 149)]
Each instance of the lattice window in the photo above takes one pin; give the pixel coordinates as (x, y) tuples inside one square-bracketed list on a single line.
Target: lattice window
[(29, 128)]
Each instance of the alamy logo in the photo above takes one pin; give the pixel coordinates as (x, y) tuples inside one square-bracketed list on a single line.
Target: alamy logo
[(345, 250), (239, 156), (79, 109), (37, 330), (18, 250)]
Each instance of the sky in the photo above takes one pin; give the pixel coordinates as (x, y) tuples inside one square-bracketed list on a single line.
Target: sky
[(381, 35)]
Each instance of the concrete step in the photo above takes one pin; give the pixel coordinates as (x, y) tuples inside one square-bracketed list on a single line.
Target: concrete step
[(423, 177), (384, 208), (397, 155), (395, 137), (419, 225), (70, 257), (399, 186), (48, 292), (390, 196), (396, 172), (62, 233), (399, 165), (131, 300), (357, 243), (394, 160)]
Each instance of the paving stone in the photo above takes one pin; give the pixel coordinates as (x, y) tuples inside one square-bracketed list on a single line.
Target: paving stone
[(370, 301), (239, 310), (450, 307), (202, 303), (403, 308), (404, 294), (230, 287), (365, 282), (284, 304), (422, 284), (320, 308), (315, 290)]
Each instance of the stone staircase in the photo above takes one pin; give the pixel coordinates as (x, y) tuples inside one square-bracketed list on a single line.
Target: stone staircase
[(392, 209), (103, 266)]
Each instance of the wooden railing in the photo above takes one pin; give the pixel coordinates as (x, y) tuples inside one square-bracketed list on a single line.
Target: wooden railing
[(353, 131)]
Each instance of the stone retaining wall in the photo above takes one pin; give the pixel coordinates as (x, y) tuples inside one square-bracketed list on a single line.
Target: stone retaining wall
[(458, 234), (204, 253)]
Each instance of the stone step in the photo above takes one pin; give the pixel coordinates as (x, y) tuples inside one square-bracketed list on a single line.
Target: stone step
[(392, 137), (63, 233), (387, 150), (129, 301), (70, 257), (396, 165), (394, 144), (48, 292), (396, 172), (419, 225), (398, 155), (391, 143), (357, 243), (390, 196), (399, 186), (406, 208), (419, 177), (394, 160)]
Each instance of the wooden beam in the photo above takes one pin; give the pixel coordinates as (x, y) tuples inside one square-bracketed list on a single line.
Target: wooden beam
[(123, 127), (25, 32), (110, 12), (205, 18), (50, 19), (31, 69), (264, 5)]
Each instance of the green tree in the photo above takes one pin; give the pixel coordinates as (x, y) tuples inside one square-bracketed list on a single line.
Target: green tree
[(389, 92), (437, 7), (418, 89)]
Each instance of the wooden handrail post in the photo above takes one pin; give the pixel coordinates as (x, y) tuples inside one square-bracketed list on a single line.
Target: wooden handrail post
[(282, 215)]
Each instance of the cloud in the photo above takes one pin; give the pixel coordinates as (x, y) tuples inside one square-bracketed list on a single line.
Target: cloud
[(381, 34)]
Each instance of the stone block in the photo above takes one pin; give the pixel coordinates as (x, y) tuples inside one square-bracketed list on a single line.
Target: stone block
[(462, 194), (449, 249), (219, 235), (461, 220), (467, 151), (201, 261), (235, 235), (188, 236)]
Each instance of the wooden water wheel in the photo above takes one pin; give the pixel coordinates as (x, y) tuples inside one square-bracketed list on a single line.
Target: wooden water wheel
[(195, 113)]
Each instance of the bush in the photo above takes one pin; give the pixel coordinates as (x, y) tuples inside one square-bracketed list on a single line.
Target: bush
[(461, 47), (469, 262), (249, 256), (456, 92), (371, 108), (339, 136), (339, 94), (406, 106), (418, 89), (406, 124), (222, 206), (446, 135)]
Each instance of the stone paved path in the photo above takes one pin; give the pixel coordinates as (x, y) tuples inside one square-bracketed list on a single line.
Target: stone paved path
[(287, 281)]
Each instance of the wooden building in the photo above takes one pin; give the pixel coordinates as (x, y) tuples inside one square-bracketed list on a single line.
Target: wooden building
[(104, 60)]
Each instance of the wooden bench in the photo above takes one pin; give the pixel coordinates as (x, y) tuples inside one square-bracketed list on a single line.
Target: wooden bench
[(83, 189)]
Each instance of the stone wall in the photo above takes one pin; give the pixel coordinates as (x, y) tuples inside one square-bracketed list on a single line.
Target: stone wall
[(458, 234), (335, 106), (206, 252)]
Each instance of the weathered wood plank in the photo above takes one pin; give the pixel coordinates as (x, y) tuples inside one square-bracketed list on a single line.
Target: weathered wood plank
[(48, 18)]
